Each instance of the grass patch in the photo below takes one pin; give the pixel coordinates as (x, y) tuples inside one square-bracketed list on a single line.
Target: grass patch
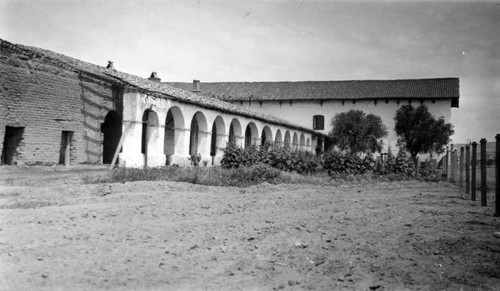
[(210, 176), (238, 177)]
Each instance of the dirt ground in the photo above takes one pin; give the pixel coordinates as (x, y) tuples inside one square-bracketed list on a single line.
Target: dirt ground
[(57, 233)]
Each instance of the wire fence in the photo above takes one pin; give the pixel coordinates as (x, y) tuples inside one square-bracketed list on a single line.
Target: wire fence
[(475, 168)]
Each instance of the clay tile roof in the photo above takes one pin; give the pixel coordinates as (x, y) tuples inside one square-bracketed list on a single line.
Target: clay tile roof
[(438, 88), (161, 89)]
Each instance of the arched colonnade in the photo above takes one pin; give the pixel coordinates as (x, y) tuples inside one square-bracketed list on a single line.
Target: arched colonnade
[(161, 131)]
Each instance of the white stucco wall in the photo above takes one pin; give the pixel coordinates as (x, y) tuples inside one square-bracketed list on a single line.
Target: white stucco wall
[(135, 104), (302, 112)]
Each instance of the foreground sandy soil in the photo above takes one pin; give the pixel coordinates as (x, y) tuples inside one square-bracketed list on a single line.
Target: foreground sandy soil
[(57, 233)]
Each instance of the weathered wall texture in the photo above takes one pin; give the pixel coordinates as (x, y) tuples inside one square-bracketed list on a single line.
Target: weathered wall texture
[(302, 112), (47, 100), (54, 113)]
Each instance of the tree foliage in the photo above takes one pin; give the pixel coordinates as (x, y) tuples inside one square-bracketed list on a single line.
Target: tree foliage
[(419, 131), (357, 132)]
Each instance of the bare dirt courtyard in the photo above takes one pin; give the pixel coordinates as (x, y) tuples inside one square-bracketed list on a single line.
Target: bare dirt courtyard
[(57, 233)]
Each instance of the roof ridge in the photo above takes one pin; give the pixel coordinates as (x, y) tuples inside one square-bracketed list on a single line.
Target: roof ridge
[(323, 81)]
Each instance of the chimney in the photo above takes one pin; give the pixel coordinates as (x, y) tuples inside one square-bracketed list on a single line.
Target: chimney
[(154, 77), (196, 86), (110, 65)]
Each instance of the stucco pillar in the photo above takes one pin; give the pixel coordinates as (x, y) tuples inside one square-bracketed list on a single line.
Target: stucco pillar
[(131, 155), (204, 146), (221, 142), (155, 139), (181, 152), (239, 141)]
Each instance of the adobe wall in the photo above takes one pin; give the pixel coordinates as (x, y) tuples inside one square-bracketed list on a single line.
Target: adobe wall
[(302, 112), (47, 100)]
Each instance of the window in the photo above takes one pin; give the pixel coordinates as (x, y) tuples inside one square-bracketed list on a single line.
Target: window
[(318, 122)]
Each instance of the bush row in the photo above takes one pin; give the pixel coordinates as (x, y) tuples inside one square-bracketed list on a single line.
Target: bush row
[(334, 163), (280, 158), (342, 163), (254, 165)]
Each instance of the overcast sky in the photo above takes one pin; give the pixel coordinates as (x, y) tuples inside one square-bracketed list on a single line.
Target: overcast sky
[(295, 40)]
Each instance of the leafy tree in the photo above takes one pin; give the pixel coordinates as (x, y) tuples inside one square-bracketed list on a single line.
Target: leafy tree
[(419, 131), (357, 132)]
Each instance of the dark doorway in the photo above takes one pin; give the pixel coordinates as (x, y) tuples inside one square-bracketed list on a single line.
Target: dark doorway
[(232, 138), (65, 153), (263, 138), (144, 132), (213, 142), (194, 138), (248, 137), (12, 139), (112, 130), (149, 136), (169, 144)]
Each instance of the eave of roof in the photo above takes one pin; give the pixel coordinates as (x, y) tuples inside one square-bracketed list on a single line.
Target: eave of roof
[(161, 90)]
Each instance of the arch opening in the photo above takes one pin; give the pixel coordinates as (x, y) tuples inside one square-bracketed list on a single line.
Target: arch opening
[(112, 133), (235, 132), (251, 134), (174, 125), (197, 129), (218, 132), (266, 137), (287, 139), (149, 132), (278, 140), (295, 141)]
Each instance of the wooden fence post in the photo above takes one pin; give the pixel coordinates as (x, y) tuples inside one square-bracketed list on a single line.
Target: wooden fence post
[(452, 164), (473, 166), (461, 179), (483, 172), (455, 165), (467, 169), (445, 164), (497, 177)]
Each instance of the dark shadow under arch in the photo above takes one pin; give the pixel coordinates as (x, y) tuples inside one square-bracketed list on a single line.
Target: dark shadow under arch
[(112, 131)]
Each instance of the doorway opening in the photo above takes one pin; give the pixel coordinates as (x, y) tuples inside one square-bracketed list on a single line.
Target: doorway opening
[(65, 152), (112, 131), (12, 139)]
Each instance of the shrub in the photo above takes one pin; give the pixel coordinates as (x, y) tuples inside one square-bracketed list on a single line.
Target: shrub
[(346, 163), (255, 174), (286, 160), (399, 165), (195, 159), (235, 156), (280, 158)]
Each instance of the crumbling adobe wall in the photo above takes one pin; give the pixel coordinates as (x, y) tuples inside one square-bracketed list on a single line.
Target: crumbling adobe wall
[(46, 100)]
